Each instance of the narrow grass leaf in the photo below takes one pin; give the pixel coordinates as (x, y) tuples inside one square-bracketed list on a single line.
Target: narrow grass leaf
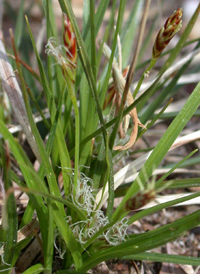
[(54, 198), (49, 34), (156, 208), (179, 164), (86, 30), (182, 183), (35, 269), (10, 221), (147, 39), (60, 140), (164, 144), (66, 7), (86, 15), (112, 54), (48, 249), (156, 117), (70, 272), (129, 31), (93, 44), (28, 178), (145, 241), (19, 25), (44, 82), (164, 258), (43, 154), (68, 236)]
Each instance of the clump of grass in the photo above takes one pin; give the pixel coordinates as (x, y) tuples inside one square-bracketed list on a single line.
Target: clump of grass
[(77, 145)]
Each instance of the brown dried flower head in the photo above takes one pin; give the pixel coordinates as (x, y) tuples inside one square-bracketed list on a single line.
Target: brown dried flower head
[(140, 200), (166, 33)]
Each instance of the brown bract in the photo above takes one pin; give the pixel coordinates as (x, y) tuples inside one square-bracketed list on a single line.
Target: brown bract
[(119, 84)]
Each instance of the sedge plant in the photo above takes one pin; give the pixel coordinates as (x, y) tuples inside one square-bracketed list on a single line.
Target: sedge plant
[(85, 131)]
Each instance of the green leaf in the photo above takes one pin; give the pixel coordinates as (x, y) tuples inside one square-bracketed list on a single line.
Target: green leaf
[(136, 244), (163, 145), (182, 183), (66, 7), (129, 31), (68, 236), (19, 24), (48, 249), (93, 36), (179, 164), (156, 208), (70, 272), (10, 220), (35, 269), (43, 154), (164, 258), (38, 202), (53, 197), (60, 140)]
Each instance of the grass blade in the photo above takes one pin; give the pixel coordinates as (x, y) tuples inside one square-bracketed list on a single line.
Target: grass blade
[(130, 31), (164, 258), (145, 241), (10, 222), (164, 144), (19, 25), (35, 269)]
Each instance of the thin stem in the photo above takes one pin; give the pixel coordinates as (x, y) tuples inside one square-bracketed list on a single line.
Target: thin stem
[(71, 89), (153, 61)]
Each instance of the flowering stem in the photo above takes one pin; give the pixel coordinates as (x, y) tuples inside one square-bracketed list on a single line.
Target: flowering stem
[(71, 89), (69, 70), (76, 161), (153, 61), (166, 33)]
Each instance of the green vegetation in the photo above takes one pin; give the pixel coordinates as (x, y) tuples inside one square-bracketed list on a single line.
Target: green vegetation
[(78, 143)]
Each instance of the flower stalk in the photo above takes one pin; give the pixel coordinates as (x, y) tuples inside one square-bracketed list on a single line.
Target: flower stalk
[(66, 57)]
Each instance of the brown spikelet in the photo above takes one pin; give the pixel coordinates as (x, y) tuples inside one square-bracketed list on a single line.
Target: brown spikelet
[(166, 33)]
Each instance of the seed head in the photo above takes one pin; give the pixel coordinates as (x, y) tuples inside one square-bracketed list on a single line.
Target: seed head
[(65, 55), (140, 200), (69, 39), (166, 33)]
